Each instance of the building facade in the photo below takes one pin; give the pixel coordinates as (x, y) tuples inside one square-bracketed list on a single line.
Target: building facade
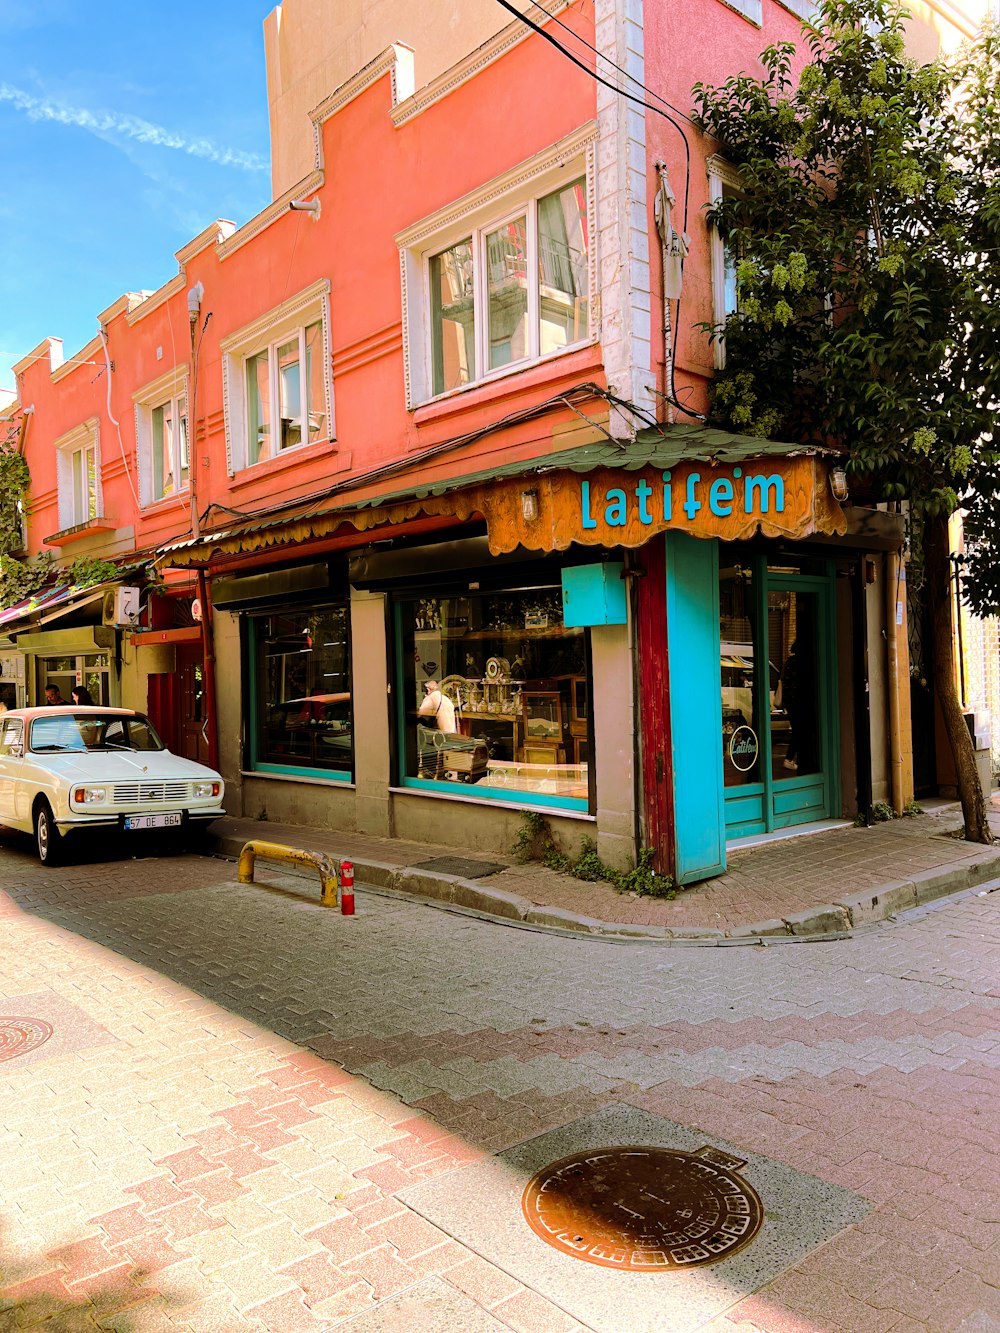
[(411, 475)]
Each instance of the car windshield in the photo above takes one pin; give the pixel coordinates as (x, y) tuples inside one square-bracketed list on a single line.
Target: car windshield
[(92, 731)]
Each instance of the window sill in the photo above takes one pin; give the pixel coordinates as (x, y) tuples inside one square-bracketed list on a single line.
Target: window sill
[(343, 781), (166, 504), (292, 458), (515, 800), (567, 361), (751, 10), (79, 531)]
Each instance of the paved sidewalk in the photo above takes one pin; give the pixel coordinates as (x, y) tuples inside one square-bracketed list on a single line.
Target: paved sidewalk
[(819, 883)]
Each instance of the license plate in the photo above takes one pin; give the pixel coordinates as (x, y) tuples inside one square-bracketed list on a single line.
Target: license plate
[(152, 821)]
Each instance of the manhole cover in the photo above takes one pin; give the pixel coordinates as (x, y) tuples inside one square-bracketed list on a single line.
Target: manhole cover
[(18, 1036), (461, 865), (644, 1209)]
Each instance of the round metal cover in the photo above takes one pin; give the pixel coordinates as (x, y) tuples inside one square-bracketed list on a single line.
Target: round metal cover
[(644, 1209), (18, 1036)]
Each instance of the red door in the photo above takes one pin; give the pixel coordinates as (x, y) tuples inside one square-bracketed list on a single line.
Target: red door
[(190, 710)]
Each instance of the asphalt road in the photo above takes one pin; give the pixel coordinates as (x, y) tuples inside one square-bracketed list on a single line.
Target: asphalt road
[(225, 1107)]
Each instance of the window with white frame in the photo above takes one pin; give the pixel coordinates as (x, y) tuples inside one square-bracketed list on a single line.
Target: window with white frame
[(277, 381), (502, 278), (162, 437), (78, 464), (723, 183)]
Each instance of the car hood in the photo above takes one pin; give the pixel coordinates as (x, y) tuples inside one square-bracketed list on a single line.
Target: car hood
[(125, 766)]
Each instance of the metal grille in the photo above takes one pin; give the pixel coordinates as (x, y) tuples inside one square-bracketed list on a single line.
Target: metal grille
[(132, 793)]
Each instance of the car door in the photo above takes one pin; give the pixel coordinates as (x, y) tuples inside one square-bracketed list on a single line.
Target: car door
[(11, 764)]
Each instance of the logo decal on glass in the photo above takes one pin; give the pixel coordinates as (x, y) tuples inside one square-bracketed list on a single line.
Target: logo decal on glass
[(743, 748)]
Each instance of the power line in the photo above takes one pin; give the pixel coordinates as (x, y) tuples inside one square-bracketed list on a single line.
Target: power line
[(614, 87)]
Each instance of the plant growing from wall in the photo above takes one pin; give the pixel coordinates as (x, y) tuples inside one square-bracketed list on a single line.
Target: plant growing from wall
[(91, 569), (867, 241), (18, 578)]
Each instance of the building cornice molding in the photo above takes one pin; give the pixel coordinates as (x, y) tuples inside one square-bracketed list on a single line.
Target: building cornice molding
[(395, 60), (167, 385), (214, 234), (471, 65), (308, 185)]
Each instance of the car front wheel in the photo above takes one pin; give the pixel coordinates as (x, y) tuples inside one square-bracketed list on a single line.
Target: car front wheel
[(47, 836)]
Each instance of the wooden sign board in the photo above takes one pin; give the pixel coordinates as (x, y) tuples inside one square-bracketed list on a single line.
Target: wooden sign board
[(777, 497)]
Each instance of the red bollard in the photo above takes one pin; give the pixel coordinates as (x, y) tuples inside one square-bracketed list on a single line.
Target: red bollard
[(347, 888)]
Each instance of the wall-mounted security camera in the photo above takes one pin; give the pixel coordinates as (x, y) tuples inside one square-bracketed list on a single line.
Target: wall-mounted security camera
[(305, 206)]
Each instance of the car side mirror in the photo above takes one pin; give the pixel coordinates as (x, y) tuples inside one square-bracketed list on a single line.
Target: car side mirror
[(16, 750)]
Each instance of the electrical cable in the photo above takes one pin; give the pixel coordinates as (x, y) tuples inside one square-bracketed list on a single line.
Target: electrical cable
[(114, 421), (639, 101)]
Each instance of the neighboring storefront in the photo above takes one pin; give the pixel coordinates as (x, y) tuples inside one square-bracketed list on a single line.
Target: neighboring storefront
[(651, 645)]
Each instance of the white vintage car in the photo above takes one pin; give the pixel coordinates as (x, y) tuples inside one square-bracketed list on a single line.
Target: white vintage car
[(67, 769)]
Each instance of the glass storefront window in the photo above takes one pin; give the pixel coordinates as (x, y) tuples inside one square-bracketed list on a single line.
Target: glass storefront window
[(738, 646), (302, 691), (92, 670), (495, 696)]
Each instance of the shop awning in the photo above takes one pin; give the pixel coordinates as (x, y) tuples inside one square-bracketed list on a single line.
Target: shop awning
[(53, 602), (604, 492)]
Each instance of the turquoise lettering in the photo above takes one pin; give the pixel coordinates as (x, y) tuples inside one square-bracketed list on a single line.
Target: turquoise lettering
[(691, 505), (720, 497), (615, 509), (642, 493), (588, 522), (667, 498), (764, 486)]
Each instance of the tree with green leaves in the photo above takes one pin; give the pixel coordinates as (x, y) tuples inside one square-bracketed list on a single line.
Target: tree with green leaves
[(867, 242)]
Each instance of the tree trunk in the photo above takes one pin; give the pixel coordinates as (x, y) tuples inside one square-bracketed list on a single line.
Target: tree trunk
[(938, 573)]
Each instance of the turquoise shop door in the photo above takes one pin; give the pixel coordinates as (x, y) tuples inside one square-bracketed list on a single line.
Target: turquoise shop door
[(693, 664)]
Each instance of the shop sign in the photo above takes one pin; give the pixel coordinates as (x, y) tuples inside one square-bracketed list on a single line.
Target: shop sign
[(752, 492), (743, 748)]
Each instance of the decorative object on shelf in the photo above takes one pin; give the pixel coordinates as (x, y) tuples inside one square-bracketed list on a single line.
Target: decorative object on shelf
[(498, 669)]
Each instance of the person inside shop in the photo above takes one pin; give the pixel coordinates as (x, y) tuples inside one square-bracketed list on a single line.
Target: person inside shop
[(796, 699), (81, 696), (53, 697), (438, 706)]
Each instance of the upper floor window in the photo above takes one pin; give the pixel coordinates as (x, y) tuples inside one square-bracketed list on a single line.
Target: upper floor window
[(79, 476), (277, 381), (502, 278), (723, 183), (162, 437)]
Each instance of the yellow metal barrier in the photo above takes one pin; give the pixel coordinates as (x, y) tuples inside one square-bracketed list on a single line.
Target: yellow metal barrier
[(275, 851)]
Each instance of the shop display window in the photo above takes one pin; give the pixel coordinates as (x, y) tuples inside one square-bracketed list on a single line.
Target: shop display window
[(495, 692), (301, 692)]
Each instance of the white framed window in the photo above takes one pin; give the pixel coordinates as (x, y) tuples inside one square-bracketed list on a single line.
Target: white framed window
[(723, 183), (78, 468), (161, 432), (504, 277), (276, 377)]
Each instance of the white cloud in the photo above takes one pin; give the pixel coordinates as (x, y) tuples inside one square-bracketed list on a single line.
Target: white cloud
[(103, 123)]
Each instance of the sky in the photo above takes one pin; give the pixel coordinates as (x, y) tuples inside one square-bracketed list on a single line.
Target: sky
[(125, 129)]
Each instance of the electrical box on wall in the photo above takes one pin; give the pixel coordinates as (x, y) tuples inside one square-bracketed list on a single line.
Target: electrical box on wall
[(594, 594)]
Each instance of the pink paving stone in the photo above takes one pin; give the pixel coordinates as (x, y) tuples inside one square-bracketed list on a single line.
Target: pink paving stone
[(382, 1270), (285, 1314), (188, 1219), (242, 1117), (441, 1259), (770, 1316), (527, 1312), (319, 1277), (265, 1138), (83, 1258), (286, 1076), (100, 1287), (219, 1187), (291, 1113), (379, 1210), (354, 1300), (51, 1285), (121, 1223), (185, 1165), (159, 1193), (408, 1234), (386, 1175), (150, 1252), (482, 1281), (243, 1161), (362, 1196), (316, 1094), (215, 1139), (419, 1128), (342, 1238)]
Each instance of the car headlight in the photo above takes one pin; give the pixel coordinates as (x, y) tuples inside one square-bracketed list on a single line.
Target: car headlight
[(90, 795), (207, 788)]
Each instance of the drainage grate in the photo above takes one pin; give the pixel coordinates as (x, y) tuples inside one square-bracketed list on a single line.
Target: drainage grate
[(18, 1036), (460, 865), (644, 1209)]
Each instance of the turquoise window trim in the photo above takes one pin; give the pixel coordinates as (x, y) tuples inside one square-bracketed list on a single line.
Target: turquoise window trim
[(476, 792), (293, 770)]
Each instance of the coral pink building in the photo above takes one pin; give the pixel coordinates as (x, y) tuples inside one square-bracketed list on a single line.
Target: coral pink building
[(411, 473)]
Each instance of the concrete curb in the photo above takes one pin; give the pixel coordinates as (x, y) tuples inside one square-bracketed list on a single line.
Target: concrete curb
[(827, 919)]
